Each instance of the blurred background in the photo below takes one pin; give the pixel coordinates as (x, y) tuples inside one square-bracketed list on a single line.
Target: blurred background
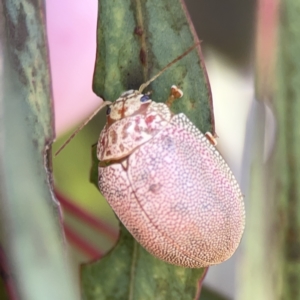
[(226, 29)]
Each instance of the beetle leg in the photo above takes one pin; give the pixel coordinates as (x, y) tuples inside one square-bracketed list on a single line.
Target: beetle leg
[(175, 93), (212, 139)]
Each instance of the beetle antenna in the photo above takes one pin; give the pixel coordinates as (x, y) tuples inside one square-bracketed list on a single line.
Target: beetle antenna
[(144, 85), (103, 104)]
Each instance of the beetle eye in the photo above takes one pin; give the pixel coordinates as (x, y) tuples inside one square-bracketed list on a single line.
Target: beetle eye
[(144, 98), (108, 110)]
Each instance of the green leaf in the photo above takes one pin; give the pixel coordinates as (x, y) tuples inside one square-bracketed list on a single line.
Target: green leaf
[(130, 272), (208, 294), (284, 185), (136, 39), (94, 168), (31, 233)]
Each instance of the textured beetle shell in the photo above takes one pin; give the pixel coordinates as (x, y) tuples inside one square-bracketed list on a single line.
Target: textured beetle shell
[(177, 197)]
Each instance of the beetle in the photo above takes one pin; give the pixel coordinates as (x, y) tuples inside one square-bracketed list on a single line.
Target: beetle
[(166, 181)]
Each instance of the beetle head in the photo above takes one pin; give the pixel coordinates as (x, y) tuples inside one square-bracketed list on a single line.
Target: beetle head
[(130, 103)]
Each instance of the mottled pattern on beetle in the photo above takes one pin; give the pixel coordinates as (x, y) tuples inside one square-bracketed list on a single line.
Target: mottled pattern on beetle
[(197, 217), (122, 137), (161, 109), (126, 105), (132, 105)]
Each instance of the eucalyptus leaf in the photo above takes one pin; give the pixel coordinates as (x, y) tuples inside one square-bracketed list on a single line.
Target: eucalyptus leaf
[(128, 271), (136, 39), (209, 294)]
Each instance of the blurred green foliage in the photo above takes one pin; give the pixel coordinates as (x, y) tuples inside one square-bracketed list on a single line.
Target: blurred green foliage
[(31, 233)]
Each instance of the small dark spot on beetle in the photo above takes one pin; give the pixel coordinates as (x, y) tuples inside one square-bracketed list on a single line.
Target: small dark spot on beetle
[(154, 188), (149, 119), (103, 141), (138, 138), (137, 128), (114, 137), (108, 152), (143, 56), (121, 147), (138, 30), (168, 143)]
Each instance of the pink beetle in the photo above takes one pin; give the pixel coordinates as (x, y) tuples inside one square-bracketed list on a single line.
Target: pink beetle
[(168, 184)]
